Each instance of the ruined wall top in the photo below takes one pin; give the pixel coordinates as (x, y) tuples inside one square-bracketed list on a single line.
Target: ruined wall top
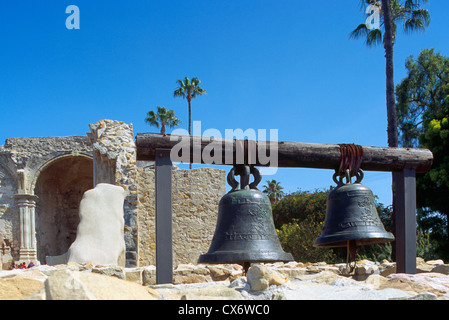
[(43, 145), (24, 158)]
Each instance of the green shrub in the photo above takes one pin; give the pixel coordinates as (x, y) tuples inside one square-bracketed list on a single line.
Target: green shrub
[(297, 238), (299, 219)]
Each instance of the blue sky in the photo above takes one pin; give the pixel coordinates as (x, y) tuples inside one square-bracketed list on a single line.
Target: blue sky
[(286, 65)]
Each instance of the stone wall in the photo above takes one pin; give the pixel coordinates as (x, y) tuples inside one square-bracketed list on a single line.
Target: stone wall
[(195, 196), (23, 161), (43, 179), (115, 163), (8, 216)]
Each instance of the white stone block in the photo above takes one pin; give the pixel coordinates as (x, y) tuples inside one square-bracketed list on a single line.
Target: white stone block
[(100, 234)]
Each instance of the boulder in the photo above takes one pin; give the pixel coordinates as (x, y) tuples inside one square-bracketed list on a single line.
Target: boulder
[(260, 277), (75, 285)]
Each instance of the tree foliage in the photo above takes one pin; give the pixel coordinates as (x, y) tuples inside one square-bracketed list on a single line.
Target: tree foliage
[(273, 190), (162, 118), (392, 13), (299, 219), (407, 14), (189, 89), (423, 117)]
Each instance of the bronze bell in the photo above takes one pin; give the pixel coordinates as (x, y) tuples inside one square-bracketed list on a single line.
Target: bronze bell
[(351, 217), (245, 231)]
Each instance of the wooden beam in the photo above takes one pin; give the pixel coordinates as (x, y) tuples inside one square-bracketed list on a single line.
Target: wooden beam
[(289, 154)]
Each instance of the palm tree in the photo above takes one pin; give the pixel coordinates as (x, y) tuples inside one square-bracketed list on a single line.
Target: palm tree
[(189, 89), (392, 12), (413, 18), (274, 191), (162, 118)]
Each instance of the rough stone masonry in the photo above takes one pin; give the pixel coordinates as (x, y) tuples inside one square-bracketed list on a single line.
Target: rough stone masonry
[(43, 179)]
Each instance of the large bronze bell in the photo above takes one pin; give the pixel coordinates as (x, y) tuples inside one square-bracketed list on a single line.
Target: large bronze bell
[(245, 231), (351, 217)]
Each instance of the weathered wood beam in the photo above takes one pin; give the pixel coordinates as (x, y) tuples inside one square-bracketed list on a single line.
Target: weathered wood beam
[(289, 154)]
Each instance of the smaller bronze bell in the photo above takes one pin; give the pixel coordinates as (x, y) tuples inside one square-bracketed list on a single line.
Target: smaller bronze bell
[(351, 217), (245, 230)]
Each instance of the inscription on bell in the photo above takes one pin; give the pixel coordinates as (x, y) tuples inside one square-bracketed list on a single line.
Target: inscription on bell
[(353, 224), (246, 201), (248, 236)]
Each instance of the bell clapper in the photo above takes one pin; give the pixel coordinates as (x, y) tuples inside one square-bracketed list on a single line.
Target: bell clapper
[(351, 249), (246, 266)]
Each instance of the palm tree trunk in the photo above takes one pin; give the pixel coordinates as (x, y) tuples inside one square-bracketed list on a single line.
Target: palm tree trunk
[(190, 124), (392, 130)]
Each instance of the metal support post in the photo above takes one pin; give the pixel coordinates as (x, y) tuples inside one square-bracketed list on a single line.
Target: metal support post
[(405, 193), (164, 251)]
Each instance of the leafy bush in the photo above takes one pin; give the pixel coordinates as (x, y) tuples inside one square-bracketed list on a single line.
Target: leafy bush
[(299, 219), (297, 238), (299, 206)]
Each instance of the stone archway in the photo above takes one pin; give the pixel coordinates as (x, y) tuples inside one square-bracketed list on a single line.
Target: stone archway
[(60, 187)]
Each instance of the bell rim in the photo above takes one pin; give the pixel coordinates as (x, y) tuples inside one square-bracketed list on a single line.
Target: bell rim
[(340, 240)]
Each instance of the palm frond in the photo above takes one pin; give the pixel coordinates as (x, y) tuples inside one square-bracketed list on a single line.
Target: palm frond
[(152, 119), (360, 31), (418, 21), (180, 92), (374, 38)]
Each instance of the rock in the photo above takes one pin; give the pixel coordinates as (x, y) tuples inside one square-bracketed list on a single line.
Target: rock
[(424, 296), (299, 290), (100, 233), (134, 275), (262, 282), (18, 288), (110, 271), (65, 285), (292, 273), (418, 283), (211, 293), (364, 271), (321, 277), (75, 285), (387, 268), (240, 282), (190, 273), (423, 266), (219, 272), (260, 277), (198, 291), (276, 279), (149, 276), (442, 268)]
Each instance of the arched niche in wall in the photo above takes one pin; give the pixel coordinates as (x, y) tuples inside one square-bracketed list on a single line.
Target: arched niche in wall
[(60, 186)]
